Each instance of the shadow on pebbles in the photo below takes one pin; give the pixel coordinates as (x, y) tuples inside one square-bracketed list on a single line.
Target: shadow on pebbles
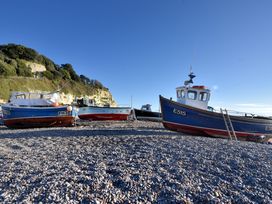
[(130, 162)]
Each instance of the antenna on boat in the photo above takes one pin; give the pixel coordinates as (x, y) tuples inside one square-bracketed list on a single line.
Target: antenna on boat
[(191, 75)]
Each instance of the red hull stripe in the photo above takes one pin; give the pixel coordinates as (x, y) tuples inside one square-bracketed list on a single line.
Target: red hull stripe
[(104, 116), (207, 131), (39, 118), (40, 122)]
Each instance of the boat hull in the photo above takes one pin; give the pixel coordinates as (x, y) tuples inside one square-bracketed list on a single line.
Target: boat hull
[(147, 115), (194, 121), (29, 117), (1, 116), (104, 113)]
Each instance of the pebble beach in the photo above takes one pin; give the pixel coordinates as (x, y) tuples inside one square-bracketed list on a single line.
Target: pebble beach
[(130, 162)]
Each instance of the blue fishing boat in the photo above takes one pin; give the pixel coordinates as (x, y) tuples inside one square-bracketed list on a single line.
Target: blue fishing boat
[(1, 116), (26, 110), (191, 114)]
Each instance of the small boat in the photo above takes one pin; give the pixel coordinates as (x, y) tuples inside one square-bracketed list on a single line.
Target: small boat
[(191, 114), (88, 111), (1, 116), (26, 110), (145, 113)]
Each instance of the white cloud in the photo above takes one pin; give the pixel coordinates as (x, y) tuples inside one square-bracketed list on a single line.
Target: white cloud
[(252, 105), (254, 108), (215, 87), (260, 109)]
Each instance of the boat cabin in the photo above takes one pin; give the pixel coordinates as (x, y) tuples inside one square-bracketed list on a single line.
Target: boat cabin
[(85, 102), (33, 99), (196, 96), (146, 107)]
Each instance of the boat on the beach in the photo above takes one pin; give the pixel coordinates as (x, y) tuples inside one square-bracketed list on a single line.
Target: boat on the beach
[(145, 113), (26, 110), (88, 111), (1, 116), (191, 114)]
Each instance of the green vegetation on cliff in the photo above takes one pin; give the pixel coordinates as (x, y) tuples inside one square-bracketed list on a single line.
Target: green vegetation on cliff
[(16, 74)]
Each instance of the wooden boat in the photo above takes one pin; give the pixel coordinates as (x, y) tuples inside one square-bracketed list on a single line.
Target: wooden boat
[(26, 110), (145, 113), (89, 111), (191, 114)]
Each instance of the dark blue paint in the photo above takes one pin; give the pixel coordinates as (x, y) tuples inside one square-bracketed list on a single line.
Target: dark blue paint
[(206, 119)]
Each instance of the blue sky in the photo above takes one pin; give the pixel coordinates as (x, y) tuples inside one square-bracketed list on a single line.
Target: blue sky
[(143, 48)]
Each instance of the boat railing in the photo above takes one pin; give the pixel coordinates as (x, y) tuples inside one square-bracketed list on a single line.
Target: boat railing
[(236, 113), (242, 114), (239, 113), (34, 95), (122, 105)]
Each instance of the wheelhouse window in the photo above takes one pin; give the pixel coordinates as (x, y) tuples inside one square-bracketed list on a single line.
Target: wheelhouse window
[(203, 96), (192, 95), (20, 96), (180, 94)]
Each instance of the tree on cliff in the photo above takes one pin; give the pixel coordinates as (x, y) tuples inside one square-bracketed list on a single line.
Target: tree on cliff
[(69, 69), (13, 58)]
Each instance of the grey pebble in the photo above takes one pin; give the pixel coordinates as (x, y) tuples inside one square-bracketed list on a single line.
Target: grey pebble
[(130, 162)]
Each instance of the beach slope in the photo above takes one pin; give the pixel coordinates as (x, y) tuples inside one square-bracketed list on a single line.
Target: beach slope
[(130, 162)]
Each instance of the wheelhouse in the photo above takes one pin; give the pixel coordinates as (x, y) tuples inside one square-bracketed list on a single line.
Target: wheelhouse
[(196, 96)]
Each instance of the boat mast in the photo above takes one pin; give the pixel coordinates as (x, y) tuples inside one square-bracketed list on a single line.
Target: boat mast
[(191, 76)]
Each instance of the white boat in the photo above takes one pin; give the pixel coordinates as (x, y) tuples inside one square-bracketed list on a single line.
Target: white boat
[(88, 111)]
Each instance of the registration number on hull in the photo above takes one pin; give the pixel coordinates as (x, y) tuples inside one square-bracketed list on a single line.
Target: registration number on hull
[(62, 113), (268, 128), (6, 112), (179, 112)]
